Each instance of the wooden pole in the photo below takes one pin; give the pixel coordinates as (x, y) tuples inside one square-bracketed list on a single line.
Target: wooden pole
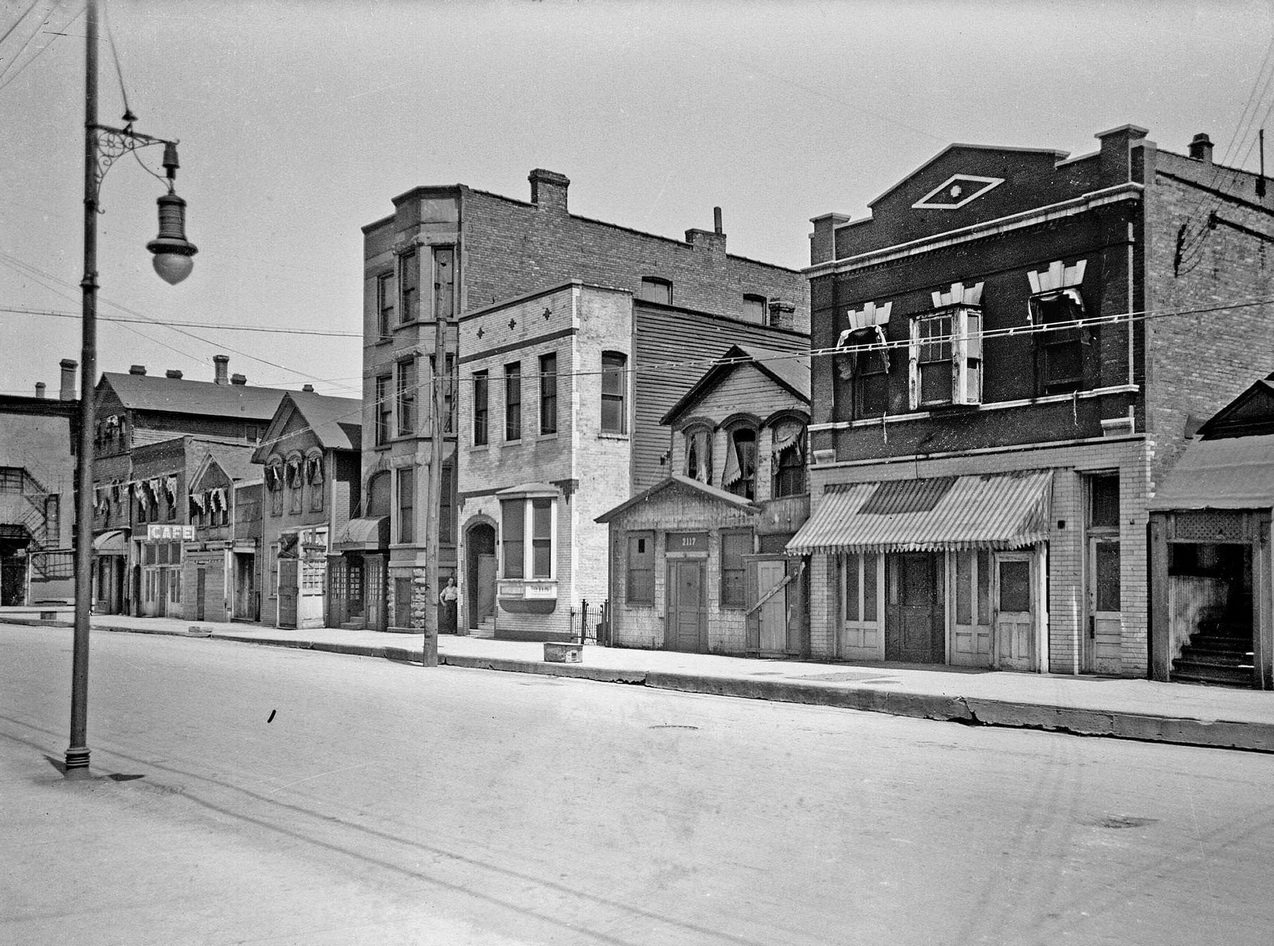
[(437, 426)]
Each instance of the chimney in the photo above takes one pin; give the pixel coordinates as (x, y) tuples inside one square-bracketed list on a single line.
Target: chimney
[(713, 241), (823, 239), (309, 388), (220, 365), (67, 393), (716, 220), (782, 314), (137, 369), (1201, 148), (173, 373), (548, 189), (238, 379), (39, 389)]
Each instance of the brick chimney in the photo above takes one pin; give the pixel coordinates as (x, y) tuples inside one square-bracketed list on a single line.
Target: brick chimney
[(238, 379), (782, 314), (39, 389), (67, 392), (1114, 162), (1201, 148), (173, 373), (137, 369), (308, 388), (548, 189), (823, 239), (220, 364)]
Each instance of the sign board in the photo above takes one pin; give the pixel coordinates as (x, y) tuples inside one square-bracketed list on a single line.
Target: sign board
[(687, 542), (535, 590), (158, 533)]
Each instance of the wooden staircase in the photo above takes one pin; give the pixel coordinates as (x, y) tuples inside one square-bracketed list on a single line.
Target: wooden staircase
[(1218, 653)]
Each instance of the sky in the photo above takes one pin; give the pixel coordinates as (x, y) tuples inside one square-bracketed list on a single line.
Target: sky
[(300, 121)]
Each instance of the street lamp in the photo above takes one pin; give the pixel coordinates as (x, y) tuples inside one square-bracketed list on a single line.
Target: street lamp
[(103, 145)]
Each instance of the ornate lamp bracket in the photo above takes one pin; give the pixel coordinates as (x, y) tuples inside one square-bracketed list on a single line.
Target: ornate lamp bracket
[(113, 143)]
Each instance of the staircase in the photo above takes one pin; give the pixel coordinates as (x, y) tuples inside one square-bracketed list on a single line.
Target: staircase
[(1219, 652), (485, 629)]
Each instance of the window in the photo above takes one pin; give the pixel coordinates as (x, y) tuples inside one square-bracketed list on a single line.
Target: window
[(406, 397), (614, 393), (296, 483), (513, 401), (274, 486), (754, 308), (386, 300), (513, 537), (448, 389), (378, 499), (548, 393), (447, 506), (384, 411), (407, 505), (788, 458), (444, 282), (861, 377), (654, 289), (946, 358), (1059, 353), (479, 408), (860, 592), (699, 453), (410, 286), (542, 538), (1103, 501), (314, 477), (734, 545), (740, 463), (640, 589)]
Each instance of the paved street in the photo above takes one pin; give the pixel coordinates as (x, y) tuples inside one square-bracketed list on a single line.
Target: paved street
[(269, 795)]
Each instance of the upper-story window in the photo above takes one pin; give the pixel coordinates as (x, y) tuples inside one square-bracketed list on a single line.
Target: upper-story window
[(314, 477), (409, 286), (480, 395), (787, 450), (295, 475), (861, 369), (946, 350), (513, 401), (755, 308), (1056, 301), (384, 411), (448, 382), (740, 462), (406, 397), (655, 289), (548, 393), (444, 282), (614, 393), (407, 504), (386, 303), (274, 485), (699, 453)]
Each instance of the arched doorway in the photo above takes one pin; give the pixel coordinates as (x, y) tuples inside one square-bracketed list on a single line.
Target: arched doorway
[(480, 573)]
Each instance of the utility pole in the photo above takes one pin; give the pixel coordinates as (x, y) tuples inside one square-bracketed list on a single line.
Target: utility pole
[(77, 754), (437, 427)]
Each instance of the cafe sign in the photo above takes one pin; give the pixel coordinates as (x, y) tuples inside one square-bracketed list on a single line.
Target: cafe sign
[(158, 533)]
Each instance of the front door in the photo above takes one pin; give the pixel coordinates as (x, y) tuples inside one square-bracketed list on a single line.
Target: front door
[(245, 587), (773, 614), (687, 606), (971, 627), (1014, 611), (287, 592), (201, 589), (161, 592), (374, 592), (1102, 650), (486, 587), (914, 633)]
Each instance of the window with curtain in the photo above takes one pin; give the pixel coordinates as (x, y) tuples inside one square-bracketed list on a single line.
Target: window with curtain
[(699, 453), (740, 463), (788, 458)]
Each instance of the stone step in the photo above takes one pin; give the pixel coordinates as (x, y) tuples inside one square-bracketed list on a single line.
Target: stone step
[(1194, 672)]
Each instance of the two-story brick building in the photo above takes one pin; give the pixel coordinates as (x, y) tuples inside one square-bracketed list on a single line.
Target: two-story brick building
[(453, 249), (1011, 350), (696, 561)]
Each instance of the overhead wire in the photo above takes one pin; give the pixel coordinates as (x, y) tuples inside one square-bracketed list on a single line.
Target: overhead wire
[(5, 82)]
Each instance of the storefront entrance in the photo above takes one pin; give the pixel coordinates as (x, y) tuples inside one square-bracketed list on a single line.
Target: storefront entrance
[(914, 624), (687, 606)]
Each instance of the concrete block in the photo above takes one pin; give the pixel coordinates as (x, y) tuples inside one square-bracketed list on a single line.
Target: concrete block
[(199, 630), (558, 652)]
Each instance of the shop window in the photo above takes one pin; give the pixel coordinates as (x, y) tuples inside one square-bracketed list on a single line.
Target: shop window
[(788, 458), (740, 462), (386, 303), (699, 453), (479, 408), (946, 358), (513, 538), (513, 401), (522, 518), (614, 393), (859, 593), (407, 505), (640, 588), (541, 537), (548, 393), (655, 289), (734, 545)]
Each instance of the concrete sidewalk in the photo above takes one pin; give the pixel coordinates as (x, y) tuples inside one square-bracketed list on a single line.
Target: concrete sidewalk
[(1122, 708)]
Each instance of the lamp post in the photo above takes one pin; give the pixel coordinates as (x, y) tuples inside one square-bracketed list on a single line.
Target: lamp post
[(103, 145)]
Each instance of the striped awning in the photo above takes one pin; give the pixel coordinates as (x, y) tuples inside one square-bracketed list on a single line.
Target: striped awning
[(998, 511)]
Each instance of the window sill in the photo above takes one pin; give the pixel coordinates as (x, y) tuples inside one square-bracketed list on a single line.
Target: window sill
[(552, 436), (608, 435)]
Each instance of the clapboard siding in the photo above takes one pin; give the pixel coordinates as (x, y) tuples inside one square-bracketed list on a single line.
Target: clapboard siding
[(672, 350)]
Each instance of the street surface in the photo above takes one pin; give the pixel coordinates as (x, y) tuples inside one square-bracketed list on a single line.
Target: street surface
[(264, 795)]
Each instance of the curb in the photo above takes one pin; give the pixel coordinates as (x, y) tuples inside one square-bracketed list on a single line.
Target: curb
[(1219, 734)]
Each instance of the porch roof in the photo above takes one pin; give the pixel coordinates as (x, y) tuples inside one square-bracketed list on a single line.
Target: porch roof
[(996, 511), (1228, 473), (363, 535)]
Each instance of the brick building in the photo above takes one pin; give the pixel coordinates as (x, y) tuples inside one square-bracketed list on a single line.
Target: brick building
[(452, 249), (696, 561), (134, 410), (311, 473), (37, 490), (221, 563), (992, 421)]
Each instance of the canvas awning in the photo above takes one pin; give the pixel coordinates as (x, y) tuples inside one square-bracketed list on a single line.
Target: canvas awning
[(109, 543), (363, 535), (996, 511)]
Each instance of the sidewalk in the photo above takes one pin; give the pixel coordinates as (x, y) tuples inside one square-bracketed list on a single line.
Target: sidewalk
[(1123, 708)]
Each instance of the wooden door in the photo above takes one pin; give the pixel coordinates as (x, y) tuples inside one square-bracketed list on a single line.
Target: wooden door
[(773, 614), (687, 607), (486, 586), (161, 592), (201, 591), (287, 592), (374, 592), (971, 627), (914, 633), (1105, 619), (1014, 590)]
